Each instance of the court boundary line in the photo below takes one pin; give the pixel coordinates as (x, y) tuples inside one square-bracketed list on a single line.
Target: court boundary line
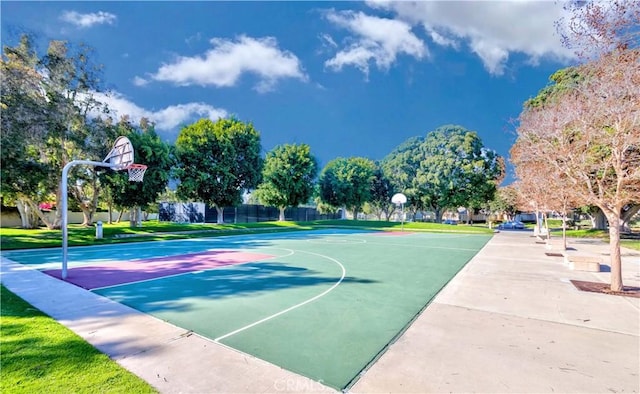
[(293, 307), (146, 244), (411, 321)]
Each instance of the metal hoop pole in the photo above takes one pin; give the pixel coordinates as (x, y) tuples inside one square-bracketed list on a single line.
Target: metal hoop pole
[(64, 192)]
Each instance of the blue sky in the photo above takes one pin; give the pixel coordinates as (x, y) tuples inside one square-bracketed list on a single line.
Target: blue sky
[(347, 78)]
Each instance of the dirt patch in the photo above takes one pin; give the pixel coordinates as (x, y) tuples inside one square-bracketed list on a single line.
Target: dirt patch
[(604, 288)]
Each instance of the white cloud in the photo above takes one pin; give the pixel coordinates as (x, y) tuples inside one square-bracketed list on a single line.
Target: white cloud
[(139, 81), (327, 40), (194, 38), (224, 64), (442, 40), (375, 39), (492, 29), (165, 119), (88, 20)]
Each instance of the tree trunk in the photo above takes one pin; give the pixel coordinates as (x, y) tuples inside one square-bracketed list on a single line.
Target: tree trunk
[(564, 231), (30, 213), (28, 218), (57, 222), (626, 216), (546, 225), (120, 213), (138, 216), (281, 216), (135, 217), (614, 249), (220, 215), (438, 213), (87, 215), (599, 220)]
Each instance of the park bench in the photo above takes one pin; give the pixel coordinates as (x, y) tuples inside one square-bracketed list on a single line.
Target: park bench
[(583, 263)]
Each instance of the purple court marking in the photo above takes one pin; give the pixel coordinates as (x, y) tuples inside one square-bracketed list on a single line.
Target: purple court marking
[(118, 273), (392, 233)]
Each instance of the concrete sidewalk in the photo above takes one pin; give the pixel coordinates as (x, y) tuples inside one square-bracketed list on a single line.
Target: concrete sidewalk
[(510, 321)]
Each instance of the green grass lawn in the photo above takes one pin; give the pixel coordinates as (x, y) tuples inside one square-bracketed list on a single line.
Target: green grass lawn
[(630, 243), (411, 226), (13, 238), (16, 238), (39, 355)]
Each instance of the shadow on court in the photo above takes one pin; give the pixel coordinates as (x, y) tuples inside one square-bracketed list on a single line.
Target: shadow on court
[(325, 307), (177, 294)]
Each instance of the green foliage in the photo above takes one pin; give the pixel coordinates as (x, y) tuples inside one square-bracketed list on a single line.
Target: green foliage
[(448, 168), (40, 355), (505, 201), (288, 175), (21, 123), (149, 150), (381, 192), (45, 102), (560, 82), (347, 182), (217, 161)]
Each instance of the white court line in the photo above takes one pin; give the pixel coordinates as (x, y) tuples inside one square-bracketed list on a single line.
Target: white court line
[(344, 272), (337, 241)]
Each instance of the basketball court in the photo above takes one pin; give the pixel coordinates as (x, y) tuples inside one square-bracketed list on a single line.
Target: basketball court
[(324, 303)]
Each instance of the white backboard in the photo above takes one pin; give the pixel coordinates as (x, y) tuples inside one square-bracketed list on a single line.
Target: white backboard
[(121, 154), (399, 198)]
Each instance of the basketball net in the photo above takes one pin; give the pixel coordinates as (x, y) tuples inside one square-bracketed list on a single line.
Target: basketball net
[(136, 172)]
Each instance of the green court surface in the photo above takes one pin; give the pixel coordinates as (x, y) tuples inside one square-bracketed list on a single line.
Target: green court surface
[(325, 305), (343, 325)]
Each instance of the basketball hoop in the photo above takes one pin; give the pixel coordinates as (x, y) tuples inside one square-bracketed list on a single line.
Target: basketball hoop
[(136, 172)]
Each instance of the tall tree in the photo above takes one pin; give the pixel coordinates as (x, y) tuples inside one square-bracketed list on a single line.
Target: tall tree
[(448, 168), (149, 150), (400, 168), (457, 170), (288, 177), (49, 98), (216, 162), (381, 193), (591, 135), (590, 132), (72, 80), (24, 177), (347, 183), (505, 202)]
